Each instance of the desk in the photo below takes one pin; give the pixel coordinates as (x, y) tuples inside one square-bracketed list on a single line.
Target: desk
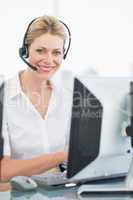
[(54, 194), (41, 194)]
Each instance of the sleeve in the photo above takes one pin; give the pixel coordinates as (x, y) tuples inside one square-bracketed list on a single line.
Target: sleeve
[(5, 133)]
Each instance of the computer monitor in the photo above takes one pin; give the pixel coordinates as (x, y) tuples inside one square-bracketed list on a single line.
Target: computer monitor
[(86, 120), (119, 187), (98, 148)]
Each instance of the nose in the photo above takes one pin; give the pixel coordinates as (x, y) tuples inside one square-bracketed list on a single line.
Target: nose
[(48, 58)]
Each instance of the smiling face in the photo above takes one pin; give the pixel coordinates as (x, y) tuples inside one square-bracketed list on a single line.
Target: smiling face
[(46, 53)]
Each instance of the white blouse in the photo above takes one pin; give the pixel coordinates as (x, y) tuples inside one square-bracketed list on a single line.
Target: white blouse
[(26, 134)]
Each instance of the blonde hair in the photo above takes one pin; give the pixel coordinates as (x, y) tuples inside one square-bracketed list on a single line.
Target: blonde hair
[(42, 25)]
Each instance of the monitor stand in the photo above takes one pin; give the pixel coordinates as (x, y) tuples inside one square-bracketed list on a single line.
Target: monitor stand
[(114, 187)]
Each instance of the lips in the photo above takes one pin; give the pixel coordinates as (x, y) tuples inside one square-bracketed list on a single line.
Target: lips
[(45, 68)]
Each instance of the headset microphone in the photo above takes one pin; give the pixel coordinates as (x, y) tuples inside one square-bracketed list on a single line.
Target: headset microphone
[(21, 54), (23, 51)]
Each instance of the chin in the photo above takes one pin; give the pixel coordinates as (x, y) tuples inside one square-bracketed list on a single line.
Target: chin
[(44, 76)]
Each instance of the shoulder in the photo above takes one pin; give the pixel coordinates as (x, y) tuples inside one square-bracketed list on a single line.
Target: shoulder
[(1, 79), (12, 80), (12, 86), (63, 81), (67, 79)]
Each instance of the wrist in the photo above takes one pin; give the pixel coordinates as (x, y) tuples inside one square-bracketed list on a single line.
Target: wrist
[(62, 156)]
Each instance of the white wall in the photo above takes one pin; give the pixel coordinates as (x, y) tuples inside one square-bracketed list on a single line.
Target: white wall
[(102, 33), (14, 18)]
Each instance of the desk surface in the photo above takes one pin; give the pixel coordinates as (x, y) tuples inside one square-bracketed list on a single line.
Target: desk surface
[(55, 194), (41, 194), (59, 193)]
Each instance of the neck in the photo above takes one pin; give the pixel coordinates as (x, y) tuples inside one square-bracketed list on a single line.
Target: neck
[(31, 83)]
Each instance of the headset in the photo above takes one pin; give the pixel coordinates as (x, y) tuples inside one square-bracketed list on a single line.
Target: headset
[(23, 51)]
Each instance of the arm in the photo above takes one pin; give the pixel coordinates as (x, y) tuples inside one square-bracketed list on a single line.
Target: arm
[(10, 168)]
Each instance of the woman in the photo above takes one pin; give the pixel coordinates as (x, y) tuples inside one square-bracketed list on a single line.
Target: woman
[(36, 119)]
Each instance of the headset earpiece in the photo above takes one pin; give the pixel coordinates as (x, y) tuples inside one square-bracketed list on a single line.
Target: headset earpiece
[(24, 52)]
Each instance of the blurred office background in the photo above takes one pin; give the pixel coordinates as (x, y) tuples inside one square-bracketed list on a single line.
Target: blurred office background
[(102, 33)]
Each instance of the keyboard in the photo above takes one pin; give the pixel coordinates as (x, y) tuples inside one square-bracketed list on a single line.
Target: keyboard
[(51, 179)]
